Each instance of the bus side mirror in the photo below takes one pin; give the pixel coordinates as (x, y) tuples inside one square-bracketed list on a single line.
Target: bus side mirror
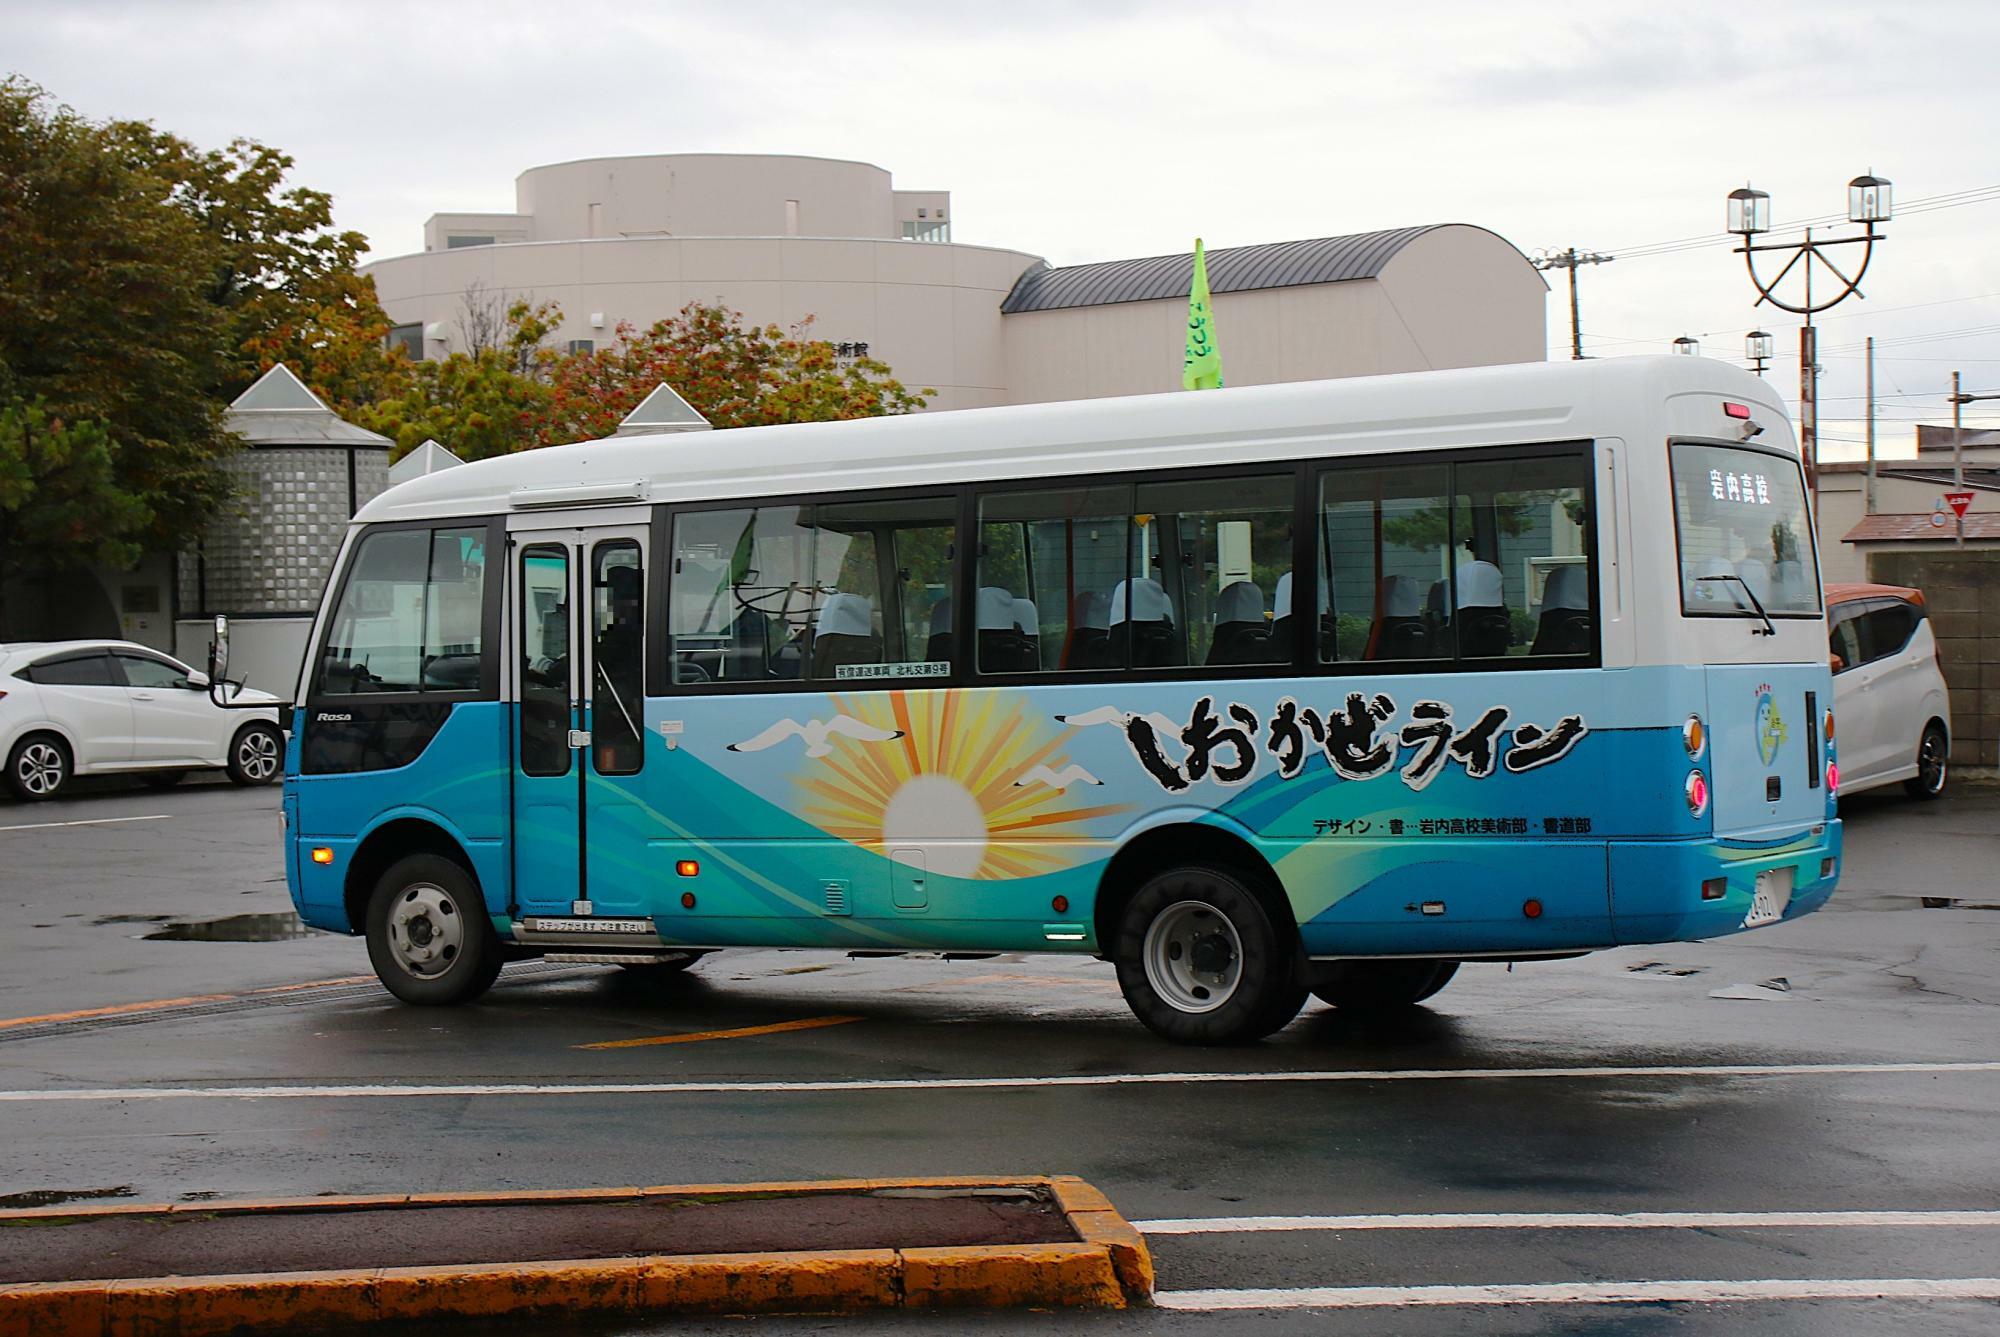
[(218, 662)]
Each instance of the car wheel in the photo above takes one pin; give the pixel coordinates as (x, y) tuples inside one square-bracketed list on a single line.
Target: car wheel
[(1933, 765), (1201, 963), (162, 779), (257, 757), (38, 767), (429, 938), (1379, 986)]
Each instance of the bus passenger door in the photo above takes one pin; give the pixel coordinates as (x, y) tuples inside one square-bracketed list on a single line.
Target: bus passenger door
[(548, 734), (620, 866)]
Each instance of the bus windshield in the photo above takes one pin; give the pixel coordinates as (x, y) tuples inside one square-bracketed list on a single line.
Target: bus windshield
[(1741, 515)]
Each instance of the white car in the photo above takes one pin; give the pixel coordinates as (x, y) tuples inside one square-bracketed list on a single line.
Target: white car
[(96, 707), (1890, 705)]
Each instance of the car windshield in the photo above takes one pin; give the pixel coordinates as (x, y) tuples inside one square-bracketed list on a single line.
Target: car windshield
[(1741, 518)]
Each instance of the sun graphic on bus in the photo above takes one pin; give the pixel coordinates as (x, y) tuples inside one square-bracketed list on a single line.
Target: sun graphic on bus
[(969, 776)]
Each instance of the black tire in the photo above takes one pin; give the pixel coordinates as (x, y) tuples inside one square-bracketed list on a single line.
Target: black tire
[(38, 768), (162, 779), (257, 755), (429, 938), (1933, 764), (1203, 911), (1378, 986), (670, 965)]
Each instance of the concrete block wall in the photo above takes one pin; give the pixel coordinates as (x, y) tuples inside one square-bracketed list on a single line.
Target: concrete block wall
[(1962, 591)]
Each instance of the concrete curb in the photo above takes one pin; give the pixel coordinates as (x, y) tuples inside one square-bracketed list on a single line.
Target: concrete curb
[(1108, 1268)]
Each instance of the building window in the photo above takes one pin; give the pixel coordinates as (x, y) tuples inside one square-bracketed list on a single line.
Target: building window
[(453, 243), (939, 230), (582, 346), (409, 338)]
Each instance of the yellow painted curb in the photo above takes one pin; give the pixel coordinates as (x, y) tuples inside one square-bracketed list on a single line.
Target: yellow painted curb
[(1108, 1267)]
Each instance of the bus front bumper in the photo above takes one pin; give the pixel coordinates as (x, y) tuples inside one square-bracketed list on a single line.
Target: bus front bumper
[(1674, 891)]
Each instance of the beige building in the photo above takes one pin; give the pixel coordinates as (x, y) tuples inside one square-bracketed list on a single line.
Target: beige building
[(1908, 493), (616, 240)]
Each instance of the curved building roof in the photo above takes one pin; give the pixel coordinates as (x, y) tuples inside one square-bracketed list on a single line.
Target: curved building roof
[(1282, 264)]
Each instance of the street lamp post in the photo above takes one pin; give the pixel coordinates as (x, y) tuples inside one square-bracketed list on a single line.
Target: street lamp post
[(1758, 347), (1869, 201)]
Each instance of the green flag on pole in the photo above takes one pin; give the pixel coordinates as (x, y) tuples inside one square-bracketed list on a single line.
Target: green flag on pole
[(1202, 368)]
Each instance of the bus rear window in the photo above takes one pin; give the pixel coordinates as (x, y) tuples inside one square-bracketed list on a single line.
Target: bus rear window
[(1740, 516)]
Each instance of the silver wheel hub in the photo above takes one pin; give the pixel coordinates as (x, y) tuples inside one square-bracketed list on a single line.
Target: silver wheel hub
[(1193, 956), (257, 755), (40, 769), (1931, 764), (426, 930)]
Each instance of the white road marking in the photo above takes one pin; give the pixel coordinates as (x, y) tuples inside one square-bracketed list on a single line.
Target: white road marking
[(89, 821), (1571, 1293), (1232, 1225), (415, 1092)]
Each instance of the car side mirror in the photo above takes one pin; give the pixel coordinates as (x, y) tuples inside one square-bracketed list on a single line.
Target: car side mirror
[(195, 681)]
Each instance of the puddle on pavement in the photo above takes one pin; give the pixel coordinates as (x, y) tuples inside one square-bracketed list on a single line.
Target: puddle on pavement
[(55, 1197), (236, 928)]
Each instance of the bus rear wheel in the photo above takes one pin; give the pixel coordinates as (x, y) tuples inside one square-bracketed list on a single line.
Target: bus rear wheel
[(1378, 986), (428, 935), (1201, 963)]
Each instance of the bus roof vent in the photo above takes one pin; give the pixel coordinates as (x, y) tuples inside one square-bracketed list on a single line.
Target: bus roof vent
[(578, 494)]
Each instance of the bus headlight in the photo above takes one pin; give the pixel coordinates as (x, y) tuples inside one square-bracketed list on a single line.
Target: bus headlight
[(1697, 793), (1694, 737)]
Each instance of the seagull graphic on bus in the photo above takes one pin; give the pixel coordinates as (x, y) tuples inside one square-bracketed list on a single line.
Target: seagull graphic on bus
[(816, 732), (1071, 774)]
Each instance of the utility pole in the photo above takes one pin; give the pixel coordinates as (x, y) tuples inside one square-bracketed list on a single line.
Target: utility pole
[(1958, 401), (1868, 502), (1569, 260)]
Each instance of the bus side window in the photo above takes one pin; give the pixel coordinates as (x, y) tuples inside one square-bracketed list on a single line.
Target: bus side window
[(1052, 577), (1384, 532), (411, 616), (1217, 549), (883, 572), (1521, 581), (740, 595)]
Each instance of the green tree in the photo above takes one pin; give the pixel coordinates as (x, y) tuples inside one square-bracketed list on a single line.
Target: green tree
[(61, 504), (334, 337), (493, 400), (277, 265), (733, 374), (106, 308)]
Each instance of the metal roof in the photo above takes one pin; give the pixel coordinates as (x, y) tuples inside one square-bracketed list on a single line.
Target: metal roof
[(1282, 264), (1889, 527)]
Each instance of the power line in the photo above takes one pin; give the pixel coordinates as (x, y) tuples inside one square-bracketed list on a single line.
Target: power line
[(1927, 204)]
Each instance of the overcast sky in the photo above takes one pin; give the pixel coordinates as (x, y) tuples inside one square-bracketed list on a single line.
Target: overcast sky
[(1107, 129)]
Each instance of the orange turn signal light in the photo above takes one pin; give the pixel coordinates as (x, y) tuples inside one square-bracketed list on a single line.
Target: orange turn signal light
[(687, 868), (322, 854)]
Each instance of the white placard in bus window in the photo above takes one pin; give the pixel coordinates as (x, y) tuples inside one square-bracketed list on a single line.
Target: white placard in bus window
[(912, 668)]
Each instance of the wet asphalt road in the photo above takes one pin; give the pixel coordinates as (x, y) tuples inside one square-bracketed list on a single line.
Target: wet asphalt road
[(1560, 1103)]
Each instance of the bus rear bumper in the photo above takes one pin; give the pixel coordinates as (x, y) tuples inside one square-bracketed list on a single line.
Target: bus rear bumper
[(1675, 891)]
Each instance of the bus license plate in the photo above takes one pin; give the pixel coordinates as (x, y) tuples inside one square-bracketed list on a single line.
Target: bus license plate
[(1774, 893)]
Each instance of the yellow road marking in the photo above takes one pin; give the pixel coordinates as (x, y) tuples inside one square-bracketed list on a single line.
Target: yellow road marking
[(805, 1024), (167, 1004)]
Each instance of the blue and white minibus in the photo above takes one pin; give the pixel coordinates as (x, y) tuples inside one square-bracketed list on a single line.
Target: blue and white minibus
[(1317, 688)]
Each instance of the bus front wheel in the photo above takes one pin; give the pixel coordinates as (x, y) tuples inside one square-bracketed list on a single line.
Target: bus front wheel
[(1201, 963), (428, 935), (1378, 986)]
